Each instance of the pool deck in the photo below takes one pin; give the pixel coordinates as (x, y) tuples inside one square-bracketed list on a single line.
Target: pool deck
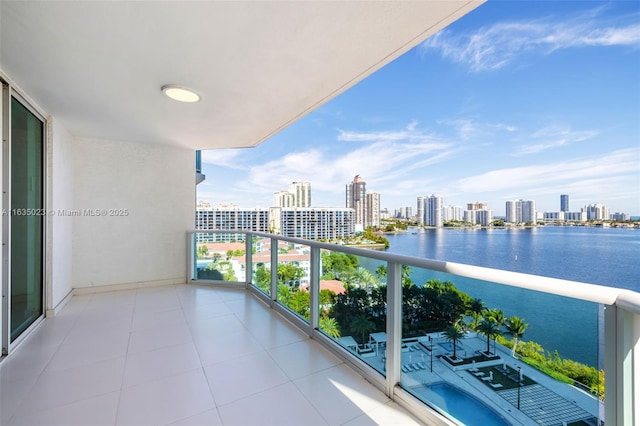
[(547, 402)]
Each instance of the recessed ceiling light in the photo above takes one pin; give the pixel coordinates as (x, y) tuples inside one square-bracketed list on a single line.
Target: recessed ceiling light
[(180, 93)]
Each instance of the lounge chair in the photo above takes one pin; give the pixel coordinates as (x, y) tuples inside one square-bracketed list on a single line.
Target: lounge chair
[(487, 378), (496, 385), (416, 367), (478, 374), (423, 365), (404, 369)]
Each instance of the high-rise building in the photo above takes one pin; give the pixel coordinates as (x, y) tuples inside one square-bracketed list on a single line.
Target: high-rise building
[(230, 218), (420, 210), (621, 217), (403, 213), (580, 216), (433, 211), (283, 199), (482, 217), (477, 205), (430, 211), (597, 212), (298, 195), (450, 213), (356, 198), (301, 194), (520, 211), (564, 203), (313, 223), (478, 213), (373, 209)]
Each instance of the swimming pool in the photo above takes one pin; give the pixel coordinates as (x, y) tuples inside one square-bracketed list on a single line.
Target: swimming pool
[(448, 346), (459, 404)]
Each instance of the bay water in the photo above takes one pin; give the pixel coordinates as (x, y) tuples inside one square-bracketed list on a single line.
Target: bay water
[(604, 256)]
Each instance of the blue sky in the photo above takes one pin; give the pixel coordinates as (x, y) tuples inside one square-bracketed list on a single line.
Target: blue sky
[(516, 100)]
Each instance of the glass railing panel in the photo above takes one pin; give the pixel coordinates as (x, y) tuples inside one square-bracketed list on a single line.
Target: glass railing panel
[(294, 277), (219, 257), (353, 305), (458, 335), (261, 264)]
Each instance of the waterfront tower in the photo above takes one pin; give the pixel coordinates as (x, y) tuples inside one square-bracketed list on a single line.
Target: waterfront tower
[(564, 203), (356, 198)]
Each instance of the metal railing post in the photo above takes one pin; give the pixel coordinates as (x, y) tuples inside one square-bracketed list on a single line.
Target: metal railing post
[(394, 326), (274, 270), (248, 259), (314, 288)]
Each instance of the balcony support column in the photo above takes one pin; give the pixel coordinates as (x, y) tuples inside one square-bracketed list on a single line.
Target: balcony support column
[(314, 288), (622, 375), (394, 326), (248, 259), (274, 271), (191, 257)]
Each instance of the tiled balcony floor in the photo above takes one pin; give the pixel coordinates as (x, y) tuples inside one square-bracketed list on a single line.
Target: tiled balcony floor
[(181, 355)]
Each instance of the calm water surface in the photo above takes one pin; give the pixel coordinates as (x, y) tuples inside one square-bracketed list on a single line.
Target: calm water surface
[(608, 257)]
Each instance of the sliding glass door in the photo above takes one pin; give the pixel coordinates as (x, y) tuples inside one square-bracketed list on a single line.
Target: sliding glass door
[(24, 210)]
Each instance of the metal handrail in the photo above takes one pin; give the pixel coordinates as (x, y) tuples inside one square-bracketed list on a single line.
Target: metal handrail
[(627, 299)]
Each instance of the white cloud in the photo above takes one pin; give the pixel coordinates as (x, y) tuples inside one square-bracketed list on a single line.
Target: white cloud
[(469, 129), (224, 157), (549, 176), (409, 133), (380, 163), (493, 47), (554, 137)]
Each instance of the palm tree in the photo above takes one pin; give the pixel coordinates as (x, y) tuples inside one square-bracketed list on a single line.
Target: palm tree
[(330, 327), (497, 315), (489, 327), (516, 327), (475, 309), (362, 325), (363, 278), (381, 272), (454, 333)]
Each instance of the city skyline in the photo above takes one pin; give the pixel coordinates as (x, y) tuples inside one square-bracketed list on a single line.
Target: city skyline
[(513, 101)]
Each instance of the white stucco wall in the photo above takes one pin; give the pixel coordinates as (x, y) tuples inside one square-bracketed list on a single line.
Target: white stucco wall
[(156, 186), (59, 228)]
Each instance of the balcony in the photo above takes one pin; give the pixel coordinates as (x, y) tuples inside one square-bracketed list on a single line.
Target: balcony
[(110, 318), (228, 352), (181, 354), (412, 359)]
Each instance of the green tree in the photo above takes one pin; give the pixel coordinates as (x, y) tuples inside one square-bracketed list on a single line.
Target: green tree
[(362, 277), (497, 315), (299, 302), (362, 326), (475, 309), (381, 272), (263, 278), (330, 327), (288, 273), (489, 327), (202, 251), (454, 333), (327, 300), (516, 328), (229, 273), (335, 265)]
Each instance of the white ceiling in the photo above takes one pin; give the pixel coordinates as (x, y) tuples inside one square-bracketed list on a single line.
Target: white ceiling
[(98, 66)]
